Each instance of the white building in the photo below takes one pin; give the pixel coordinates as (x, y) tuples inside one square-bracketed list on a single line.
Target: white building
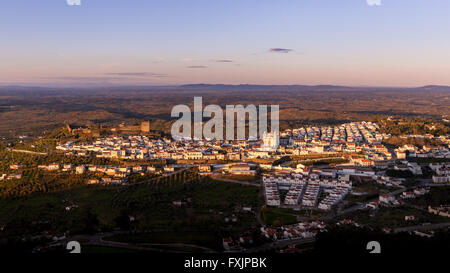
[(80, 169), (271, 140)]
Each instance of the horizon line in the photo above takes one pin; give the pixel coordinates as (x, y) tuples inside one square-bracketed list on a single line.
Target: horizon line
[(94, 85)]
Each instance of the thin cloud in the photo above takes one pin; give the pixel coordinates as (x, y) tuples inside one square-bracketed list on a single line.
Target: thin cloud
[(373, 2), (136, 74), (280, 50), (84, 78), (224, 61), (197, 66), (108, 77)]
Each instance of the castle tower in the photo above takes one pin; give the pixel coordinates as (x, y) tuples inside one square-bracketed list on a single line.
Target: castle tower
[(145, 126), (68, 128)]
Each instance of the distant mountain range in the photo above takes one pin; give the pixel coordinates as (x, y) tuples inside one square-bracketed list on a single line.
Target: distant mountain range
[(231, 87), (436, 88), (258, 86)]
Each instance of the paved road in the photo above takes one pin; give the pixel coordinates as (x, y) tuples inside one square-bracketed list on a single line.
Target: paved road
[(177, 247), (280, 244), (97, 240), (26, 152), (422, 227), (423, 183), (436, 185), (319, 159), (363, 205), (427, 182)]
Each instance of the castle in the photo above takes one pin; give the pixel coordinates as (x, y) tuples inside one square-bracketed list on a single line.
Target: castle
[(144, 127)]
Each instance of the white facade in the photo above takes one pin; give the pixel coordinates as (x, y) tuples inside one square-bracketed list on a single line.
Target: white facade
[(271, 140)]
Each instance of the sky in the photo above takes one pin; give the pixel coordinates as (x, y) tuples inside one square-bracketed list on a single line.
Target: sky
[(171, 42)]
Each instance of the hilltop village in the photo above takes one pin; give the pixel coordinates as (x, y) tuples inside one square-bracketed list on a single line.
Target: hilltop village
[(285, 161), (331, 171)]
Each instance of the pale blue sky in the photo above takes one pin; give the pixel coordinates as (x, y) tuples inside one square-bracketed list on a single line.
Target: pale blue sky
[(401, 42)]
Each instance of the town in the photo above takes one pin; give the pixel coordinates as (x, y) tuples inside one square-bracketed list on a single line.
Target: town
[(318, 170)]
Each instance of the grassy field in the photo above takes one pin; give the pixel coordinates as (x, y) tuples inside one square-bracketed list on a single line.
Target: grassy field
[(370, 187), (287, 216), (395, 217), (249, 178), (360, 198), (48, 211), (436, 197), (278, 216), (206, 204)]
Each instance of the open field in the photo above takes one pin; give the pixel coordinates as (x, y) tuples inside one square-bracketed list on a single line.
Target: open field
[(395, 217), (284, 216), (33, 111), (101, 208)]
